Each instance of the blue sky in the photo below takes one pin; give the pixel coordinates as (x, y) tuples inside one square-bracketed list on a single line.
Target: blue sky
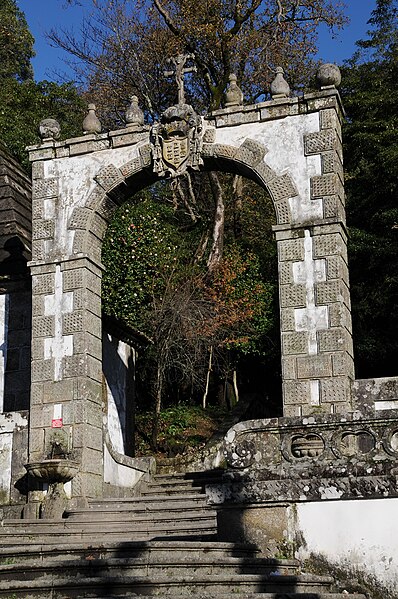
[(43, 15)]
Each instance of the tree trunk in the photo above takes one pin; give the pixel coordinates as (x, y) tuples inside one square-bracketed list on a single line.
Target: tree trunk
[(209, 369), (237, 205), (218, 228), (158, 407)]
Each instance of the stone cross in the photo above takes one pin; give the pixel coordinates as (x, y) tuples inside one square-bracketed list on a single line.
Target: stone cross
[(179, 71), (58, 304), (312, 318)]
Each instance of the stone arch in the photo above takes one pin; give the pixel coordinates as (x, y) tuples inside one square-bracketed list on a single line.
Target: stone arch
[(112, 184), (304, 139)]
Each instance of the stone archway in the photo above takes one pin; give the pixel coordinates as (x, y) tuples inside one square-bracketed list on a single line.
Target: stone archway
[(114, 184), (292, 148)]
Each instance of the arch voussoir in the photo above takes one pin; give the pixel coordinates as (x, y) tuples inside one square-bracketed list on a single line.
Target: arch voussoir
[(250, 153)]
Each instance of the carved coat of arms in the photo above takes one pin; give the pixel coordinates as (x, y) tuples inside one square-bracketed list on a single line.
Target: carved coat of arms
[(176, 141)]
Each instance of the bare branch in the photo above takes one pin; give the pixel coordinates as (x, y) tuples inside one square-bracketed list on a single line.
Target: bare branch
[(167, 18)]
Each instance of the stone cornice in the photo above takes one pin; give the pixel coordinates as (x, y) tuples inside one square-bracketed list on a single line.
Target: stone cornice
[(234, 115)]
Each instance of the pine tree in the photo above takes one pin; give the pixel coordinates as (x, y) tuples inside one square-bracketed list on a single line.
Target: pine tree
[(370, 97)]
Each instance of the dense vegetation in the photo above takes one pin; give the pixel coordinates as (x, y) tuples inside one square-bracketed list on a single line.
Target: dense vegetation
[(24, 102), (370, 96), (201, 327)]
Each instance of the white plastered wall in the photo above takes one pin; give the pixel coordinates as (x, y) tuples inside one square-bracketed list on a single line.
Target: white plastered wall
[(357, 535), (117, 360), (8, 424), (283, 139)]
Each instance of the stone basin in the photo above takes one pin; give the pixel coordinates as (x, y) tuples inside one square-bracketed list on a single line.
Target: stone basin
[(56, 470)]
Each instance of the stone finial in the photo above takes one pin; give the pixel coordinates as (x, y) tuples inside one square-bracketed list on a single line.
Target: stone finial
[(49, 129), (233, 94), (328, 75), (91, 123), (134, 114), (279, 86)]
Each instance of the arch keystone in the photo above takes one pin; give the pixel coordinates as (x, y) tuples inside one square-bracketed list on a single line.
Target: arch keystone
[(146, 155)]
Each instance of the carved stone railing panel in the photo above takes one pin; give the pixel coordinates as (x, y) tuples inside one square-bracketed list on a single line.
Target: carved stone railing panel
[(308, 443)]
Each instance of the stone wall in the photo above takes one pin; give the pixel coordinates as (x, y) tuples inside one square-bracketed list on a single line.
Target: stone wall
[(321, 488), (15, 332), (15, 287), (15, 215), (13, 455)]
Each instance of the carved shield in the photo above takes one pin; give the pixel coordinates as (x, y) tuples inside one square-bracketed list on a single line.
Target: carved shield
[(175, 151)]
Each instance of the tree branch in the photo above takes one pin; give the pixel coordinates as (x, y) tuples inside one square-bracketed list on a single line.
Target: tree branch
[(167, 18), (218, 229)]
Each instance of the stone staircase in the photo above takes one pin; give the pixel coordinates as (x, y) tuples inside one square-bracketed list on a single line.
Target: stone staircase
[(161, 543)]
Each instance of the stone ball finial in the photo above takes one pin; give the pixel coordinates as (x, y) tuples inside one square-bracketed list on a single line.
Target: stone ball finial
[(91, 123), (49, 129), (328, 75), (134, 114), (233, 94), (279, 86)]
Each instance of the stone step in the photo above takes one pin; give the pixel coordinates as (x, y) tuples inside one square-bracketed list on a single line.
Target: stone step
[(71, 540), (201, 595), (162, 543), (198, 478), (167, 489), (64, 531), (199, 474), (139, 514), (154, 550), (145, 519), (174, 566), (97, 581), (195, 483), (148, 500), (135, 510)]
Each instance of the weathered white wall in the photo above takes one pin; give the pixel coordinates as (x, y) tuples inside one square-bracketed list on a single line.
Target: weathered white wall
[(360, 534), (118, 474), (76, 181), (8, 423), (4, 301), (284, 140), (5, 466), (117, 359)]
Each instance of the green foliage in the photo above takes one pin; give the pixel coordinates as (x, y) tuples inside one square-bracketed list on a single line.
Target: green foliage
[(370, 97), (384, 30), (16, 43), (181, 428), (154, 284), (24, 104), (140, 252)]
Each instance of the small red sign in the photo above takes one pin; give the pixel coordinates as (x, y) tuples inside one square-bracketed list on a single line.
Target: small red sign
[(56, 423)]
